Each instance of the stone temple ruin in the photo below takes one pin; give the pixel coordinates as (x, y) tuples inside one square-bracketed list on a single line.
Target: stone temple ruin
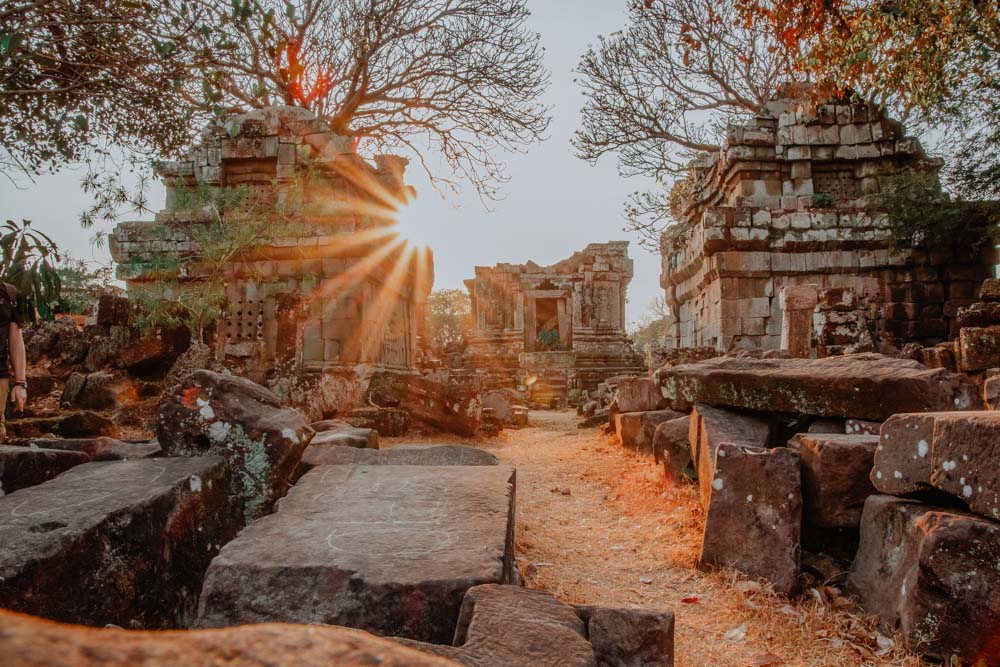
[(554, 331), (307, 298), (788, 204)]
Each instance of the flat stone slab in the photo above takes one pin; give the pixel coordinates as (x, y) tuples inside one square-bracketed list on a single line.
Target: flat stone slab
[(864, 386), (399, 455), (123, 542), (21, 467), (753, 521), (836, 476), (388, 549), (931, 574), (340, 433), (27, 641), (954, 452), (100, 448)]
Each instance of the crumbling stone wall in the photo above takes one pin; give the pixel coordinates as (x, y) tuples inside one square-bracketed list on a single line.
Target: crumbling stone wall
[(322, 300), (563, 325), (790, 200)]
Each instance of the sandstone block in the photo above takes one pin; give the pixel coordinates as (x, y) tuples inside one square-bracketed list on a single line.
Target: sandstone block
[(931, 574), (637, 395), (100, 448), (387, 422), (27, 641), (418, 455), (672, 448), (711, 427), (991, 392), (509, 625), (836, 480), (212, 413), (754, 515), (954, 452), (21, 467), (637, 429), (340, 433), (630, 637), (864, 386), (123, 542), (979, 348), (449, 407), (389, 549)]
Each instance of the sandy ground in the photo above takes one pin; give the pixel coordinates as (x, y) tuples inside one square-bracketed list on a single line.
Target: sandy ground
[(597, 524)]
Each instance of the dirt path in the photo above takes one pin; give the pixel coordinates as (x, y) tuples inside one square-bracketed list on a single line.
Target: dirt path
[(600, 525)]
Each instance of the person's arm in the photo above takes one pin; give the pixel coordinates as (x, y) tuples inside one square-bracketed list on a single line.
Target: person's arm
[(20, 364)]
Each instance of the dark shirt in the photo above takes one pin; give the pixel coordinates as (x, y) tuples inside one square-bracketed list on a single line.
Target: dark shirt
[(10, 311)]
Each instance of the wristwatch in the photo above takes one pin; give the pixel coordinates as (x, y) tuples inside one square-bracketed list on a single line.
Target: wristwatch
[(21, 383)]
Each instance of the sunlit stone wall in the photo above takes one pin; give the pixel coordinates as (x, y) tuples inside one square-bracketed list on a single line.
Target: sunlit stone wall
[(343, 291), (790, 200)]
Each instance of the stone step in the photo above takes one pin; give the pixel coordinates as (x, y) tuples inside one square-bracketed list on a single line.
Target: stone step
[(420, 455), (122, 542), (388, 549), (21, 467)]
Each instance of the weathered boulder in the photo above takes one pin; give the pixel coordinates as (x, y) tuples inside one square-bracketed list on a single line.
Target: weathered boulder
[(864, 386), (26, 641), (96, 391), (71, 424), (387, 422), (836, 480), (388, 549), (335, 432), (629, 637), (954, 452), (400, 455), (123, 542), (450, 407), (111, 310), (638, 394), (931, 575), (754, 515), (229, 416), (505, 404), (21, 467), (154, 353), (672, 447), (100, 448), (40, 382), (991, 392), (710, 427)]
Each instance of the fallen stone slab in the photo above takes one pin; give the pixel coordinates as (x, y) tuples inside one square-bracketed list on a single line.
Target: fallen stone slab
[(629, 637), (978, 348), (836, 477), (509, 625), (387, 422), (954, 452), (400, 455), (451, 407), (864, 386), (229, 416), (636, 429), (388, 549), (638, 394), (100, 448), (74, 424), (931, 575), (710, 427), (754, 515), (27, 641), (672, 447), (122, 542), (340, 433), (21, 467)]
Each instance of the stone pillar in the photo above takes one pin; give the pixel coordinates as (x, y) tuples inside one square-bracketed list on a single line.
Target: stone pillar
[(797, 305)]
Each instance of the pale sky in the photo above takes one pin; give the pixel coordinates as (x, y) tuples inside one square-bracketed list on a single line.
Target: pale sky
[(553, 205)]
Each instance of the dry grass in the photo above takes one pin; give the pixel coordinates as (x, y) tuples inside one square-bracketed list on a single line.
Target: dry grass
[(599, 525)]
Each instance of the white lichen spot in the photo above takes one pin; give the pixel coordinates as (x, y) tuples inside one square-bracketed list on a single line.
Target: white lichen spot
[(750, 498), (885, 437), (195, 483), (965, 457), (967, 491), (902, 590), (949, 465), (961, 480), (717, 483), (722, 453), (878, 474), (897, 475), (922, 448), (290, 434), (205, 409), (218, 431)]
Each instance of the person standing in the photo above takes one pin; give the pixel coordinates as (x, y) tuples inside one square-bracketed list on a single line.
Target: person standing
[(12, 354)]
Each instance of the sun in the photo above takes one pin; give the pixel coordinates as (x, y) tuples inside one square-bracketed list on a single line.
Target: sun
[(412, 222)]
